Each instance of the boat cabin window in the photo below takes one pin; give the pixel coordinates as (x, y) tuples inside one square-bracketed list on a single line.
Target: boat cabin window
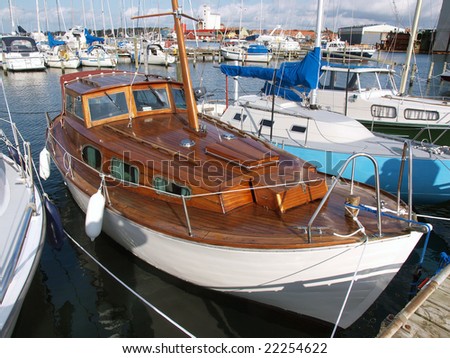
[(421, 114), (124, 171), (178, 96), (108, 105), (149, 99), (92, 157), (164, 185), (339, 81), (240, 117), (74, 105), (379, 111)]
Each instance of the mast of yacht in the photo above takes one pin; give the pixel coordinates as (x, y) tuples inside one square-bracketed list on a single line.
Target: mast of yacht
[(191, 104), (13, 26), (313, 98), (409, 51), (37, 18)]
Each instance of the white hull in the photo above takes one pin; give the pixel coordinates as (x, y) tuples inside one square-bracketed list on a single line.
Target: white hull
[(58, 63), (236, 55), (19, 63), (327, 139), (32, 227), (96, 62), (312, 282)]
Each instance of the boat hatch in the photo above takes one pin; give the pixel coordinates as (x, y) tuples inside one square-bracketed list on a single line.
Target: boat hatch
[(243, 154)]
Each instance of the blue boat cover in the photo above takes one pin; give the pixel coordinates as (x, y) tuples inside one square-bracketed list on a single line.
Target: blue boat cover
[(257, 49), (290, 74), (52, 42), (90, 38)]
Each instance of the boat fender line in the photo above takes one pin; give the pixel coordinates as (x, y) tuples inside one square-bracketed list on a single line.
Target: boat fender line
[(44, 164), (94, 214), (55, 230), (137, 295)]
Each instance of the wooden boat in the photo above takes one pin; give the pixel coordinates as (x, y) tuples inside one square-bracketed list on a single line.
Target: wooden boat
[(23, 227), (217, 207)]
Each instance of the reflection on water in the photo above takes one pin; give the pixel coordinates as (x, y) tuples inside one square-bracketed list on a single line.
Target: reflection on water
[(71, 296)]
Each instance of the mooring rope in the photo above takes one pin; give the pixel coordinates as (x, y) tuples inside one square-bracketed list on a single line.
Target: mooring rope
[(158, 311)]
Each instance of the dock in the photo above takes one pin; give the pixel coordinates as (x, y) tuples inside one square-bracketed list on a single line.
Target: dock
[(426, 315), (205, 54)]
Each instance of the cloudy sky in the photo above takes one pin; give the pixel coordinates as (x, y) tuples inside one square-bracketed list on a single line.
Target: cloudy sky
[(290, 14)]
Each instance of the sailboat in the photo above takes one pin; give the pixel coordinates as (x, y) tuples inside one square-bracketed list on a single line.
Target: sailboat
[(23, 224), (60, 55), (288, 115), (217, 207)]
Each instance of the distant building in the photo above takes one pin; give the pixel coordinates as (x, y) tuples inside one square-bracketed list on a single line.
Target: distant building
[(442, 39), (208, 20), (367, 34)]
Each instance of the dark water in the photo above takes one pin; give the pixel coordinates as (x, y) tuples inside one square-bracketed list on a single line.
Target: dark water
[(72, 296)]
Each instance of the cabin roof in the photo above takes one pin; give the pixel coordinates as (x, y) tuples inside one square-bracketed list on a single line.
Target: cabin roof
[(96, 80)]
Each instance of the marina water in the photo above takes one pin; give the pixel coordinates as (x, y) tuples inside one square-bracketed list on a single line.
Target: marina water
[(72, 296)]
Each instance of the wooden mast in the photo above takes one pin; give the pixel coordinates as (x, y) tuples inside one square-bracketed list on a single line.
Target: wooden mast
[(188, 90)]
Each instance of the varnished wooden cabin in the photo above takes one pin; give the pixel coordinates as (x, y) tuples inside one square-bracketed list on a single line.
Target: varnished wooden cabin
[(133, 131)]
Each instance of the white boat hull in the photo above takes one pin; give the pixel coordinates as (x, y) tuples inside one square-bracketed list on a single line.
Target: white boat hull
[(58, 63), (236, 55), (312, 282), (23, 63), (32, 228)]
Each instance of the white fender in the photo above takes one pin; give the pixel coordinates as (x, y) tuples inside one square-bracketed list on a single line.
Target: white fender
[(94, 215), (44, 164)]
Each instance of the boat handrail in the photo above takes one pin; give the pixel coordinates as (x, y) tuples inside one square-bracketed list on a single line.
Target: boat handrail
[(406, 150), (351, 159)]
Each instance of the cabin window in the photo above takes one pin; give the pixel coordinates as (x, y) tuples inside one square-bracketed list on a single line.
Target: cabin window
[(74, 105), (108, 105), (383, 111), (299, 129), (266, 123), (92, 157), (124, 171), (240, 117), (178, 96), (420, 114), (164, 185), (150, 99)]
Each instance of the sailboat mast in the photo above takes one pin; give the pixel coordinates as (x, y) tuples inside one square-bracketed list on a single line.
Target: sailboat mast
[(37, 17), (191, 104), (317, 43), (189, 92), (409, 51), (13, 26)]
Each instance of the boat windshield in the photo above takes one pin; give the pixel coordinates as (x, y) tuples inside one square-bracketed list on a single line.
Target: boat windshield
[(150, 99), (178, 95), (108, 105)]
